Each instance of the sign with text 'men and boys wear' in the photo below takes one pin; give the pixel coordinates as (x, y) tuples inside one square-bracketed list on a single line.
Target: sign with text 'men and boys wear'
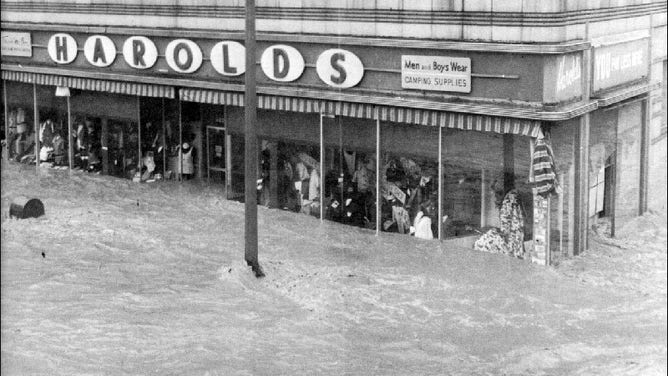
[(16, 44), (437, 73)]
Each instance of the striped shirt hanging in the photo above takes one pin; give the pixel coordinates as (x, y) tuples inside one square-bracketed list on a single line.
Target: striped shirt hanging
[(543, 168)]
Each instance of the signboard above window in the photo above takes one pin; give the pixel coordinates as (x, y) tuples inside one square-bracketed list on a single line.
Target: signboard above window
[(620, 63), (437, 73), (16, 44)]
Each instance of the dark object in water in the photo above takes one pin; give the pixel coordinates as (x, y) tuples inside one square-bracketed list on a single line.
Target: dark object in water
[(23, 208)]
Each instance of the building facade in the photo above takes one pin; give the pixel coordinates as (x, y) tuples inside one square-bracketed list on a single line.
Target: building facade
[(369, 112)]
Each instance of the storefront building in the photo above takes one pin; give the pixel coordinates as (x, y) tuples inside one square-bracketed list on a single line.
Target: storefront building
[(402, 127)]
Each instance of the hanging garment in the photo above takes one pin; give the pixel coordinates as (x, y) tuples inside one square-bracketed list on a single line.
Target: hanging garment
[(58, 149), (150, 167), (82, 137), (187, 157), (301, 171), (20, 115), (22, 128), (58, 145), (314, 185), (361, 177), (401, 217), (46, 131), (396, 192), (509, 238), (544, 175), (11, 118), (422, 225), (349, 157), (309, 161), (45, 153)]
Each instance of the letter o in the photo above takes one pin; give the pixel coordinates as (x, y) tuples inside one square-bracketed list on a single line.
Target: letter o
[(183, 56)]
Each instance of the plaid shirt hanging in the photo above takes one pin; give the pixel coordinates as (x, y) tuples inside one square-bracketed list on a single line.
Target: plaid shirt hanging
[(543, 168)]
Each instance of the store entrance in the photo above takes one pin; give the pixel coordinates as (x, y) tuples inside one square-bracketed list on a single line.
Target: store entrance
[(216, 147)]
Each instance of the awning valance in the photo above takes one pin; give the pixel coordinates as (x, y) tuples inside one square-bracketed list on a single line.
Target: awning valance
[(116, 87), (462, 121), (455, 120)]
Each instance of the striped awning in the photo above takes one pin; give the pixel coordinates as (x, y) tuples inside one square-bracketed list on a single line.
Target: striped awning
[(116, 87), (463, 121), (455, 120), (279, 103), (211, 97)]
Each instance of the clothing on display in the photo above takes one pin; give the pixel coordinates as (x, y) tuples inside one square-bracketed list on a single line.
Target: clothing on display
[(509, 238)]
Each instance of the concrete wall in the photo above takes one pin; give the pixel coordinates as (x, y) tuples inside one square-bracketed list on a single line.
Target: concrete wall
[(479, 20)]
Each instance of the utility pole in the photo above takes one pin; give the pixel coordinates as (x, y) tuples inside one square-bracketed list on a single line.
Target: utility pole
[(250, 157)]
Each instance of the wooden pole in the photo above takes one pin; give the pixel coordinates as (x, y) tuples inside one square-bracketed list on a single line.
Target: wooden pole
[(164, 141), (484, 188), (180, 153), (36, 119), (440, 183), (342, 162), (139, 134), (378, 202), (322, 169), (644, 155), (250, 173), (228, 157), (70, 146)]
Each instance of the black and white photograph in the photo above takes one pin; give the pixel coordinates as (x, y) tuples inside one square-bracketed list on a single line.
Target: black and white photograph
[(333, 187)]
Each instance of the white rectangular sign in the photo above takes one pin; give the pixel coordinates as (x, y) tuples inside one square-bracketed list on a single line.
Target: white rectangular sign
[(439, 73), (16, 44)]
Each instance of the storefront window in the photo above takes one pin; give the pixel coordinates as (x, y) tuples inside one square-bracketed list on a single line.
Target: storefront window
[(349, 170), (294, 167), (51, 130), (409, 179), (409, 195)]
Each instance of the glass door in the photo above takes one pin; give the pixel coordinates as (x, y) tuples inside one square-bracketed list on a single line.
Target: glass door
[(216, 156)]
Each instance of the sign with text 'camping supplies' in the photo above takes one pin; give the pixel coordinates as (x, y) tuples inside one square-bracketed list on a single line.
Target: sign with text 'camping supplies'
[(16, 44), (438, 73)]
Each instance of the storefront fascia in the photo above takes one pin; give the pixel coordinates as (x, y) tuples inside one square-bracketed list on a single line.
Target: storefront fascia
[(345, 104)]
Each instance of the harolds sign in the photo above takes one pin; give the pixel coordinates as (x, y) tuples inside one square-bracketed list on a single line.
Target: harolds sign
[(336, 67)]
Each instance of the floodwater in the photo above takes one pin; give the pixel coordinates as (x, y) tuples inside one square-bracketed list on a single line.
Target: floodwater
[(122, 278)]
